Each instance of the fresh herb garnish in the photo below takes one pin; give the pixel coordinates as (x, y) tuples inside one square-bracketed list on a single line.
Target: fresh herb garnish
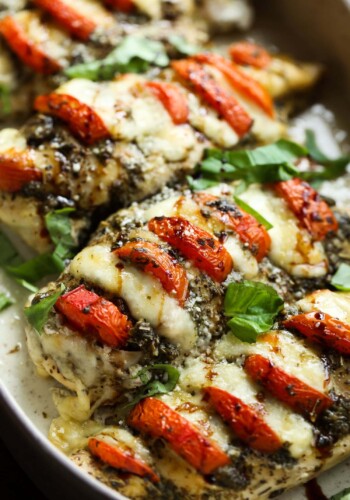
[(135, 54), (250, 210), (265, 164), (59, 226), (342, 495), (5, 301), (271, 163), (331, 168), (182, 45), (156, 379), (252, 307), (38, 313), (5, 99), (341, 279), (27, 285)]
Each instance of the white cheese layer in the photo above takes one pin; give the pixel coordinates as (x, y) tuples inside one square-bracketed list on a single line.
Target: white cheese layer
[(292, 248), (133, 113), (336, 304), (284, 350), (54, 42), (291, 428), (143, 294)]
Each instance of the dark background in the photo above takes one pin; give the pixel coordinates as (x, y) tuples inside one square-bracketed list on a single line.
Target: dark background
[(15, 484)]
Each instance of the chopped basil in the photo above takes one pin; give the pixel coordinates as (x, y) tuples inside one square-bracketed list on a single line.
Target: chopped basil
[(252, 307), (341, 279), (8, 253), (5, 301), (5, 99), (135, 54), (37, 268), (156, 379), (342, 495), (182, 45), (250, 210), (38, 313), (331, 168), (27, 285), (59, 226), (265, 164)]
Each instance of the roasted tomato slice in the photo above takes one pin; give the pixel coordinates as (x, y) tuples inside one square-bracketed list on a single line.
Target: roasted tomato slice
[(157, 419), (17, 170), (242, 82), (82, 120), (195, 244), (172, 99), (153, 260), (308, 207), (29, 53), (118, 458), (323, 329), (69, 17), (226, 105), (91, 314), (245, 421), (122, 5), (250, 54), (299, 396), (248, 229)]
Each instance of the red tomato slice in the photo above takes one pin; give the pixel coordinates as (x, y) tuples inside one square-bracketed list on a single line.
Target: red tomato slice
[(195, 244), (153, 260), (242, 82), (82, 120), (17, 170), (29, 53), (323, 329), (68, 17), (226, 105), (308, 207), (244, 420), (172, 99), (120, 459), (299, 396), (157, 419), (248, 229), (122, 5), (89, 313), (250, 54)]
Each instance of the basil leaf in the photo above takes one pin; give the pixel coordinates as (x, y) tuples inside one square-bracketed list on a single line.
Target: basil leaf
[(341, 279), (200, 184), (265, 164), (8, 253), (342, 495), (250, 210), (331, 168), (37, 268), (5, 99), (59, 225), (38, 313), (253, 307), (5, 301), (156, 379), (182, 45), (27, 285), (134, 54)]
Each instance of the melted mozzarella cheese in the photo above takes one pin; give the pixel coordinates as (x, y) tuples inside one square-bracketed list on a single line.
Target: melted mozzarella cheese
[(291, 246), (51, 40), (291, 428), (94, 11), (133, 113), (336, 304), (12, 139), (283, 76), (285, 351), (143, 293), (152, 8)]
